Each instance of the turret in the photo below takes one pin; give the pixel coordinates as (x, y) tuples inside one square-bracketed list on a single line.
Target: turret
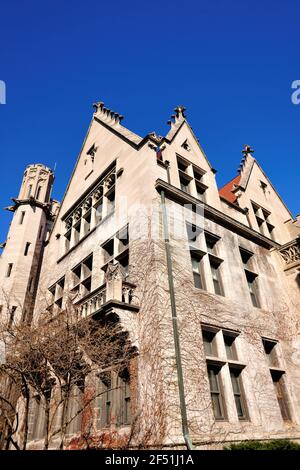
[(22, 256)]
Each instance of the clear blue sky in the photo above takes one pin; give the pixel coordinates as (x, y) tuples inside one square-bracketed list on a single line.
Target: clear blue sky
[(231, 63)]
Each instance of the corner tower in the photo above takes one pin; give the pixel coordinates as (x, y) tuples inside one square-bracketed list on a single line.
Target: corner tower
[(23, 250)]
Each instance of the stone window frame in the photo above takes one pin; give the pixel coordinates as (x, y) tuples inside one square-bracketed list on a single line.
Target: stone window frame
[(82, 277), (116, 249), (192, 178), (225, 367), (116, 396), (274, 359), (210, 262), (252, 277), (56, 296), (85, 217), (262, 217)]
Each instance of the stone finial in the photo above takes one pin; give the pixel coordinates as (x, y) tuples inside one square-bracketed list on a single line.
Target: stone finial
[(106, 114), (178, 116), (179, 110), (247, 150)]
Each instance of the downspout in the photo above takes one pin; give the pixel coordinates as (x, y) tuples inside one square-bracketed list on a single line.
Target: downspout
[(184, 421)]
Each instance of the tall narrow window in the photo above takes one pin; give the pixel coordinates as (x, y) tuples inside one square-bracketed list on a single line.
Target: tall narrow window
[(216, 277), (111, 202), (209, 342), (216, 392), (251, 280), (9, 269), (270, 351), (41, 232), (22, 215), (251, 276), (38, 192), (281, 394), (196, 267), (238, 392), (29, 191), (11, 319), (229, 342), (27, 246)]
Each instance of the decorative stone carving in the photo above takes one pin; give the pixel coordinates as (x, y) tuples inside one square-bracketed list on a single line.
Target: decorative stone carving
[(113, 271), (291, 252)]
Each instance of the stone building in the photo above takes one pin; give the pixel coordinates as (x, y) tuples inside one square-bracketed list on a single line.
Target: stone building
[(204, 281)]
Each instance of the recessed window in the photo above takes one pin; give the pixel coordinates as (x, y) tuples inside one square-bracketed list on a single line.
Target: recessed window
[(229, 341), (270, 351), (9, 269), (216, 277), (196, 267), (38, 192), (11, 319), (108, 250), (209, 342), (238, 392), (22, 215), (281, 394), (27, 246), (252, 285), (29, 191), (251, 276), (111, 202), (216, 391)]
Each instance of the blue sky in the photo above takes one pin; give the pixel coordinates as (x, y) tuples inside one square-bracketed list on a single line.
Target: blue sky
[(230, 63)]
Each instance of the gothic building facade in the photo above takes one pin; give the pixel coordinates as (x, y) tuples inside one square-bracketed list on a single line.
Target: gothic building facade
[(204, 281)]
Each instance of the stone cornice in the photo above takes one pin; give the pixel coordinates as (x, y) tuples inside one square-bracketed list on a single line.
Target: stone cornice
[(214, 214)]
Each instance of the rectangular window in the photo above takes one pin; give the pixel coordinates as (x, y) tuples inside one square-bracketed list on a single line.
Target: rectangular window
[(111, 201), (252, 285), (29, 191), (270, 350), (68, 240), (9, 269), (229, 341), (214, 266), (196, 267), (22, 215), (27, 246), (38, 193), (209, 342), (77, 228), (215, 385), (211, 241), (98, 211), (238, 392), (184, 184), (11, 319), (108, 250), (87, 218), (281, 395), (82, 277)]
